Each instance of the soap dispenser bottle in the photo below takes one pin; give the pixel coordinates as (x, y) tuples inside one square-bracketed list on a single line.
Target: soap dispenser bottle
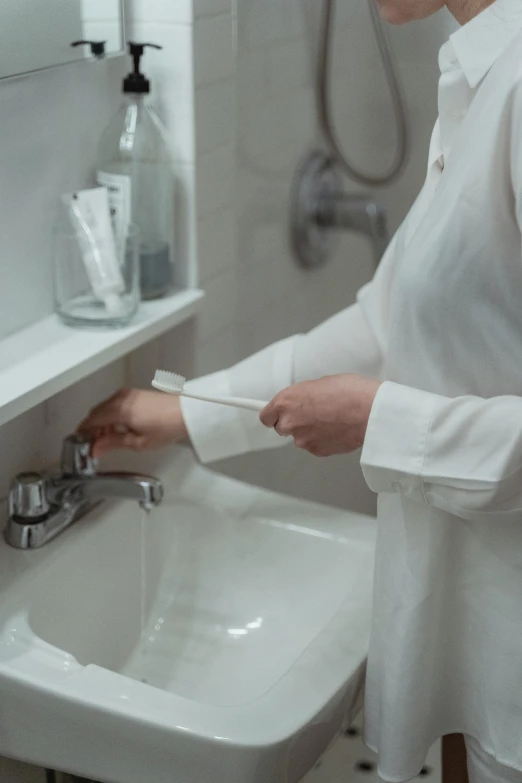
[(135, 164)]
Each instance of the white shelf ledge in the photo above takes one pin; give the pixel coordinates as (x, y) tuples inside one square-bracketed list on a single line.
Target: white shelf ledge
[(48, 356)]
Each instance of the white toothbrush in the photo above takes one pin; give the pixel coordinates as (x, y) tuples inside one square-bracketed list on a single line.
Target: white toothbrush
[(171, 383)]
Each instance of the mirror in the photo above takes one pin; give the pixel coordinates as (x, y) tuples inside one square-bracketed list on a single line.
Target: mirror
[(37, 34)]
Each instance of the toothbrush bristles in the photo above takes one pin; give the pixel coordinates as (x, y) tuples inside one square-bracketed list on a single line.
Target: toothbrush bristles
[(169, 380)]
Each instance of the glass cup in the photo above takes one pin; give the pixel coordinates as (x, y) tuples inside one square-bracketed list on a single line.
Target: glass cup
[(75, 301)]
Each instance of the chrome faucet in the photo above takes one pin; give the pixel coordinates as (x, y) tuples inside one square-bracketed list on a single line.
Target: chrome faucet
[(41, 506)]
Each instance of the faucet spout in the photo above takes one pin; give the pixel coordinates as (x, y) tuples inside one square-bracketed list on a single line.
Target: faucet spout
[(41, 506), (146, 490)]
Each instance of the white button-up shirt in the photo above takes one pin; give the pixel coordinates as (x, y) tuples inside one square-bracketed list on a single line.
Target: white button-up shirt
[(441, 323)]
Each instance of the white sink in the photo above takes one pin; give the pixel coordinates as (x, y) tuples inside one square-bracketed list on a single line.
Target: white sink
[(257, 622)]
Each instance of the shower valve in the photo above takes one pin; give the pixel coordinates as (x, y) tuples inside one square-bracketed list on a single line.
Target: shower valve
[(320, 209)]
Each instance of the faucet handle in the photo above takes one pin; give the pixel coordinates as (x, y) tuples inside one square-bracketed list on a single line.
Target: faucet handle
[(28, 497), (76, 457)]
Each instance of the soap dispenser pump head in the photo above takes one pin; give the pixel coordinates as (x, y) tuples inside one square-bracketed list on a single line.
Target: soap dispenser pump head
[(137, 81)]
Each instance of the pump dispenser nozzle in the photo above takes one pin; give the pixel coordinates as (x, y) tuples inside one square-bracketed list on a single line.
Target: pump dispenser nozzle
[(137, 81)]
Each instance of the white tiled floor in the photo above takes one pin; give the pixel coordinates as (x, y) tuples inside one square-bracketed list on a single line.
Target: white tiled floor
[(340, 763)]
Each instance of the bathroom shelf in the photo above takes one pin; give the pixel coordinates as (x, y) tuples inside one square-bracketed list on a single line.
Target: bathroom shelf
[(47, 357)]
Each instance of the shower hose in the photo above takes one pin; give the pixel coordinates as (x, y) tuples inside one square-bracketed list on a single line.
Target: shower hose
[(396, 92)]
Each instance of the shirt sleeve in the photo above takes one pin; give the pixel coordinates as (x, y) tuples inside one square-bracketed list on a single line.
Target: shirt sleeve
[(353, 341), (461, 455)]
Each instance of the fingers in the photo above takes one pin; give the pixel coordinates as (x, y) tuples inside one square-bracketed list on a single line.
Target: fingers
[(274, 417), (115, 441), (109, 413), (269, 416), (277, 415), (283, 429)]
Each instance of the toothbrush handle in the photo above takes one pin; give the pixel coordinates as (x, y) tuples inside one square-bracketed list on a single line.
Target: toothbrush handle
[(234, 402)]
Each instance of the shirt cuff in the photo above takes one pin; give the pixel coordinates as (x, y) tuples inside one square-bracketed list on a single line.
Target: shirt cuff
[(396, 439), (215, 430), (219, 431)]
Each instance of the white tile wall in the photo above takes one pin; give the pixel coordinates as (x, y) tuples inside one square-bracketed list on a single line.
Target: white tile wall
[(215, 115), (215, 180), (233, 86), (217, 241), (212, 7), (214, 48), (170, 11), (101, 10)]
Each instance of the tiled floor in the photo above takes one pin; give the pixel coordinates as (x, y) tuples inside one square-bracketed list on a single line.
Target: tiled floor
[(350, 761)]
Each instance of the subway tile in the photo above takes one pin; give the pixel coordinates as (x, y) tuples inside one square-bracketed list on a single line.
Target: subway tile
[(221, 304), (259, 23), (269, 323), (217, 243), (215, 115), (260, 128), (220, 351), (259, 286), (252, 78), (180, 129), (287, 120), (301, 118), (212, 7), (301, 19), (101, 10), (214, 48), (215, 178), (141, 365), (289, 65), (175, 11)]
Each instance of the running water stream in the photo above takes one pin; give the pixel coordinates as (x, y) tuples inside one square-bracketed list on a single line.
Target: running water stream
[(144, 520)]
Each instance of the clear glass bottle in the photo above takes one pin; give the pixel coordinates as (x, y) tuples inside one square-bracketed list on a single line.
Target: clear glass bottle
[(135, 164)]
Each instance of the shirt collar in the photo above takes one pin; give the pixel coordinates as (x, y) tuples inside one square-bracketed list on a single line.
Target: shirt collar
[(477, 45)]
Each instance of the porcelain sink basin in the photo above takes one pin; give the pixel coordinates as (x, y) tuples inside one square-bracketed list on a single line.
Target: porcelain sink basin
[(222, 639)]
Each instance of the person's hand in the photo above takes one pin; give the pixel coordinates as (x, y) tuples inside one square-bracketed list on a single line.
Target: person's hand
[(135, 419), (325, 417)]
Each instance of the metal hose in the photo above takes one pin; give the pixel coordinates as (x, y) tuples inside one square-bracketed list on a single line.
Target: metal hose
[(396, 91)]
